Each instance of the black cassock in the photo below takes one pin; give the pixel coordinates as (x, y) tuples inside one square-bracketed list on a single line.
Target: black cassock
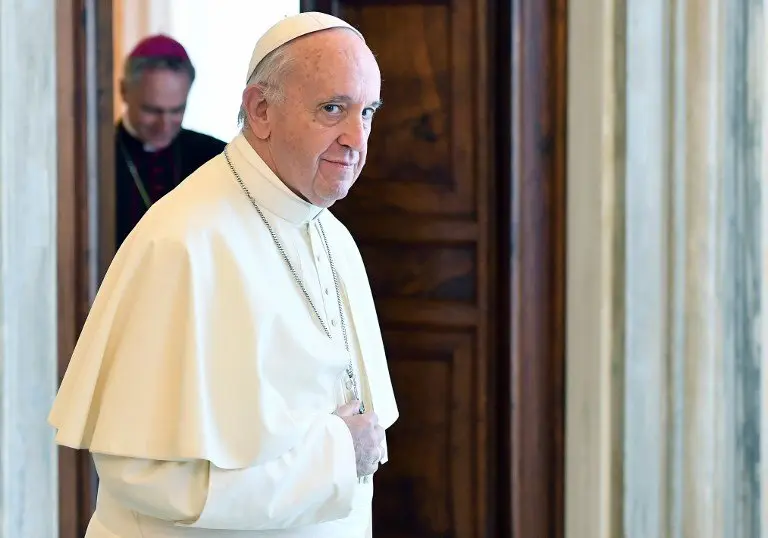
[(155, 174)]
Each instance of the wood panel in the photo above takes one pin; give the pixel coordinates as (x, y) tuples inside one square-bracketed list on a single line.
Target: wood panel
[(85, 171), (69, 246), (431, 492), (459, 215), (422, 215), (537, 343)]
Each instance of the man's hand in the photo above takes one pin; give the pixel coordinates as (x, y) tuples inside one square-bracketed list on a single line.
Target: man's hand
[(367, 436)]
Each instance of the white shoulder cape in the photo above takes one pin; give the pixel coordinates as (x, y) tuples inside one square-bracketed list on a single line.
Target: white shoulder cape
[(199, 344)]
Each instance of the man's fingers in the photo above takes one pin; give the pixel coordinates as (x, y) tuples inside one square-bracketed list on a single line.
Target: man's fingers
[(350, 409), (378, 432)]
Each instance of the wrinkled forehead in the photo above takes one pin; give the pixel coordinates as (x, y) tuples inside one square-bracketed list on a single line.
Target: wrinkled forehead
[(160, 79), (337, 62), (162, 88)]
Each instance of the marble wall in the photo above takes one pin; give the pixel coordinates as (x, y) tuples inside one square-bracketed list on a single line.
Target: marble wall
[(665, 268), (28, 328)]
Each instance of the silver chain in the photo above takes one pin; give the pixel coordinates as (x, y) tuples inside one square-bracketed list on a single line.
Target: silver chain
[(136, 177), (350, 369)]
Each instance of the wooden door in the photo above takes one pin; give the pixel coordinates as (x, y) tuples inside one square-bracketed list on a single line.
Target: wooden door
[(420, 215), (459, 217), (85, 202)]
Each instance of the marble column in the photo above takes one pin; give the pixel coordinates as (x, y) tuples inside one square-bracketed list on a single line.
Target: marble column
[(28, 327), (745, 152), (595, 269), (666, 266)]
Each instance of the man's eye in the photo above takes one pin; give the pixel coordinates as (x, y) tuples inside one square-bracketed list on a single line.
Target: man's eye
[(332, 109), (368, 113)]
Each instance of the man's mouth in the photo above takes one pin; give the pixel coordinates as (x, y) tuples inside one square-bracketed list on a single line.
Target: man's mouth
[(345, 164)]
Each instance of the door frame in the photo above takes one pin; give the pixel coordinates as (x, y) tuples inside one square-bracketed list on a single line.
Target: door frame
[(85, 138), (531, 132)]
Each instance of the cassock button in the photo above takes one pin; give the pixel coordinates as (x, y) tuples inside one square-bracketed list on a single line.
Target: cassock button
[(326, 291), (334, 322), (348, 384)]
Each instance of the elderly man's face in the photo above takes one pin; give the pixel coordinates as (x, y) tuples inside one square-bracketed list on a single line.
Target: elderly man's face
[(318, 135), (156, 104)]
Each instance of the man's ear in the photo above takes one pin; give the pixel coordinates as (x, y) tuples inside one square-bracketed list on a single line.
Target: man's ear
[(123, 90), (256, 111)]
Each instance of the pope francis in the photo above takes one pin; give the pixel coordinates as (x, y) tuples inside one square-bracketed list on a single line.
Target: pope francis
[(230, 381)]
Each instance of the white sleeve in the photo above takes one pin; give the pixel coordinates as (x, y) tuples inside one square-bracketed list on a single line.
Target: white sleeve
[(167, 490), (313, 483)]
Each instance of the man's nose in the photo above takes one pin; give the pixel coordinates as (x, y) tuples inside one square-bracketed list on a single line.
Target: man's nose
[(166, 120), (355, 133)]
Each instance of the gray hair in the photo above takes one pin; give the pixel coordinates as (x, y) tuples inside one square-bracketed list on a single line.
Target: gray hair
[(268, 75), (136, 67)]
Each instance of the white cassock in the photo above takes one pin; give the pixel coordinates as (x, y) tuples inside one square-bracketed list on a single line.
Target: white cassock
[(204, 384)]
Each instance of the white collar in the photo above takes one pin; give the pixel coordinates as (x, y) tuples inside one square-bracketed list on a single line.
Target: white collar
[(266, 188), (132, 131)]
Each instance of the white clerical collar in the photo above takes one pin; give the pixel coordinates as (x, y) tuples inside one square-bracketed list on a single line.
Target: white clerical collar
[(268, 190), (132, 131)]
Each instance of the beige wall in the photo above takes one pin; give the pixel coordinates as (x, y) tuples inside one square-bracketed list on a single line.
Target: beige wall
[(119, 51), (131, 21), (219, 38), (595, 271)]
